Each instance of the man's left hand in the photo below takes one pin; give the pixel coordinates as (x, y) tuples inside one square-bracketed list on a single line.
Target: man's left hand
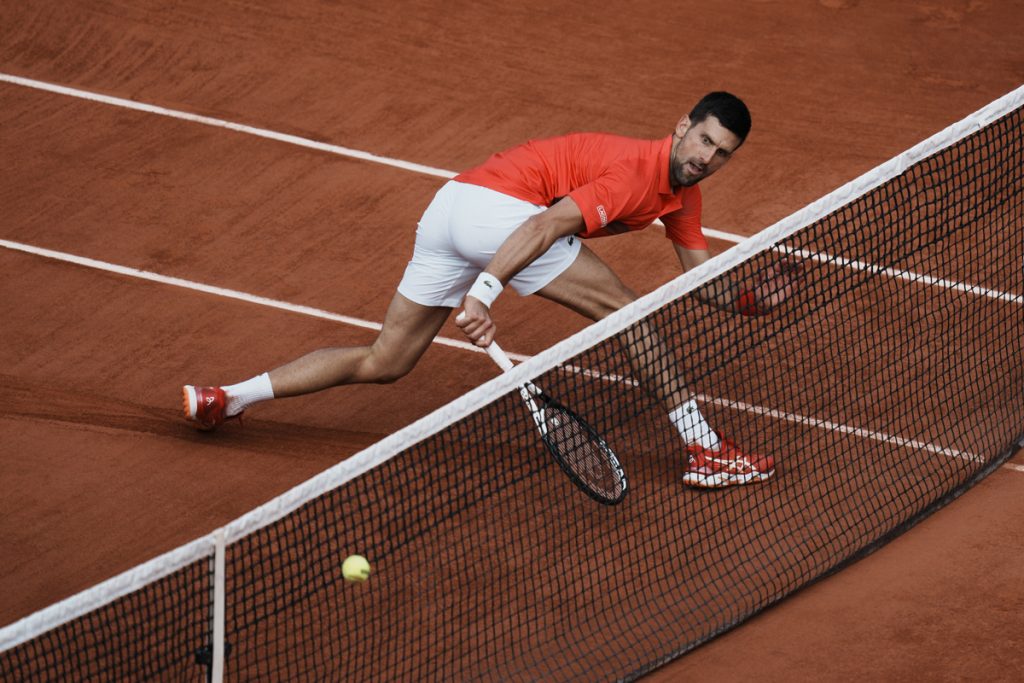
[(779, 285)]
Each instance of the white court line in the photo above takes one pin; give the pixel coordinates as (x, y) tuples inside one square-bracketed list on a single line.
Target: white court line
[(796, 418), (835, 427), (220, 123), (222, 291), (907, 275)]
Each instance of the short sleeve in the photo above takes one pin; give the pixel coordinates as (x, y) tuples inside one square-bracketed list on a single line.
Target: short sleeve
[(683, 226)]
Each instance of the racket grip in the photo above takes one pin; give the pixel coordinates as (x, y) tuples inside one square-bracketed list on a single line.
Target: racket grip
[(494, 351), (498, 356)]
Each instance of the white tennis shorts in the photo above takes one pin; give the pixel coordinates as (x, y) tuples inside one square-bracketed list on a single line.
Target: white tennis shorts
[(457, 237)]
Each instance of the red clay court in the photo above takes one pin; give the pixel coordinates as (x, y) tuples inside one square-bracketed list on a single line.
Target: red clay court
[(102, 474)]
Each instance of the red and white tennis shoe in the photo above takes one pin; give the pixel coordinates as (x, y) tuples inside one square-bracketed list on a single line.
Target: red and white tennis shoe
[(206, 406), (728, 466)]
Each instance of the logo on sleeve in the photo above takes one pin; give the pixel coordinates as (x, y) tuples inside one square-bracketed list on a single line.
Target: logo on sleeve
[(602, 214)]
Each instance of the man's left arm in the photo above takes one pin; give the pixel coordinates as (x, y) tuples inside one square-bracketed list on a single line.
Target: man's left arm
[(736, 297)]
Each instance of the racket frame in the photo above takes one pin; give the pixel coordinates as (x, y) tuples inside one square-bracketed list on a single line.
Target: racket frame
[(531, 394)]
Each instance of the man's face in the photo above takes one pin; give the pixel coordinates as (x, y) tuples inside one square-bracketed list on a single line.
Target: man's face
[(699, 150)]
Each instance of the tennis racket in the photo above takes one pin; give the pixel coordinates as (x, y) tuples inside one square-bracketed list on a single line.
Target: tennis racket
[(579, 450)]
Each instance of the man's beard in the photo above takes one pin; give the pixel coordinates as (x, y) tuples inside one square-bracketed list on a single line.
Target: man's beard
[(686, 180)]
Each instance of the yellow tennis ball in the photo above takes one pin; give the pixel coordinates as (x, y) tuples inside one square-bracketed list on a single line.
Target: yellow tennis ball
[(355, 568)]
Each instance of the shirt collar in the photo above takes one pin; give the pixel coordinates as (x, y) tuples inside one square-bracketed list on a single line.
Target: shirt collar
[(664, 174)]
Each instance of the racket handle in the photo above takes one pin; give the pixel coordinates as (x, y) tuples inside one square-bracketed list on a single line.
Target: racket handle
[(494, 351), (498, 356)]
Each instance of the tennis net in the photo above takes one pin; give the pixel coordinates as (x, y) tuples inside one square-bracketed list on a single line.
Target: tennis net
[(885, 387)]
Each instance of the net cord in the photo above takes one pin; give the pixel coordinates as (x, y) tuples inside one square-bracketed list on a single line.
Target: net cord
[(164, 565)]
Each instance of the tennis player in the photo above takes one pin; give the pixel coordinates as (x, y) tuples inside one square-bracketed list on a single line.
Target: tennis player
[(520, 219)]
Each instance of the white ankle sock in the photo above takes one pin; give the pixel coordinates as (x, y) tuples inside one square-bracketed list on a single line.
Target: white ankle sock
[(692, 427), (244, 394)]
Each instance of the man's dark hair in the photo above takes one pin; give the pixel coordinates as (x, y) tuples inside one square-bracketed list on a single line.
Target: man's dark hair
[(727, 108)]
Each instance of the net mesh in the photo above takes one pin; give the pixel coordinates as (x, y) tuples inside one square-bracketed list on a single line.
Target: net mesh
[(887, 385), (157, 633)]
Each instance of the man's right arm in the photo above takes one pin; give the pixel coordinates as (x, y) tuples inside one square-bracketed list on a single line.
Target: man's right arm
[(529, 241)]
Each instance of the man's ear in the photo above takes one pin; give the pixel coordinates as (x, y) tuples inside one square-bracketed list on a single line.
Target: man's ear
[(682, 126)]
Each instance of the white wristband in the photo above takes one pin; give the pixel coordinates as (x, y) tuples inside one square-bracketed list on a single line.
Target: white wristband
[(486, 289)]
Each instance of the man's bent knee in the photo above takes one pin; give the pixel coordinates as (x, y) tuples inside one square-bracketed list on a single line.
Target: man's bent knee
[(385, 373), (391, 376), (382, 368)]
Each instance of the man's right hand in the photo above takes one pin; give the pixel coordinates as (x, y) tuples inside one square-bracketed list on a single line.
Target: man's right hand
[(475, 322)]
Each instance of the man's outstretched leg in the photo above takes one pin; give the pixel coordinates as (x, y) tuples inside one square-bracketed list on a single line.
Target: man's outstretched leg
[(406, 333), (592, 289)]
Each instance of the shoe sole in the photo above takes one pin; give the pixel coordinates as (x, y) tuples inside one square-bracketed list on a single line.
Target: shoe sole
[(189, 402), (723, 480)]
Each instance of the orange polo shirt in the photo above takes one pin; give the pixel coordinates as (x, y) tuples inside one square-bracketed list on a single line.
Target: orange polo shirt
[(620, 184)]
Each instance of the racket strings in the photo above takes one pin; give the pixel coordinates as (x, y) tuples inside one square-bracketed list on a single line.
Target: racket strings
[(583, 453)]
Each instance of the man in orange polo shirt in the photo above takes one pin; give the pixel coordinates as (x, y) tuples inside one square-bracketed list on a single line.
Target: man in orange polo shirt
[(518, 220)]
